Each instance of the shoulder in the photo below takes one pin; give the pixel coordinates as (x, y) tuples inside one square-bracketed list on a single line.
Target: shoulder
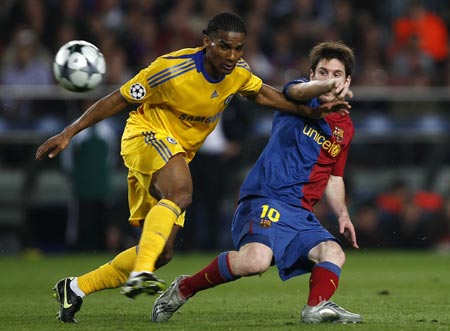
[(342, 121), (172, 65), (186, 55)]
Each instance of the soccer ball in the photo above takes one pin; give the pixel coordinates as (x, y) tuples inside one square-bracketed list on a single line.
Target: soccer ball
[(79, 66)]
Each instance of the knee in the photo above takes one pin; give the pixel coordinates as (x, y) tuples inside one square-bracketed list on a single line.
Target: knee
[(256, 266), (334, 253), (253, 261), (183, 200)]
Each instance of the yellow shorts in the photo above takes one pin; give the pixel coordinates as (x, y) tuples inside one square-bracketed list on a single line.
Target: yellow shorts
[(143, 156)]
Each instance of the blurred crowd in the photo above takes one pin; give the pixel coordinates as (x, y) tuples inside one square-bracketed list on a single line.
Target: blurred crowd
[(399, 216), (399, 42), (396, 42)]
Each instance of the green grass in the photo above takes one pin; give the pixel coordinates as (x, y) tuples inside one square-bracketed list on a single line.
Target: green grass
[(392, 290)]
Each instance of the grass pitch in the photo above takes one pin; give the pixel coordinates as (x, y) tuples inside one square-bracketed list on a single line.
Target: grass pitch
[(392, 290)]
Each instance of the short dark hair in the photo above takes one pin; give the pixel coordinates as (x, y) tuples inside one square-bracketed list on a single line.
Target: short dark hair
[(227, 22), (332, 50)]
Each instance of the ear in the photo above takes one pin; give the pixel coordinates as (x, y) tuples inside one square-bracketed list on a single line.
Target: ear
[(206, 40), (311, 74)]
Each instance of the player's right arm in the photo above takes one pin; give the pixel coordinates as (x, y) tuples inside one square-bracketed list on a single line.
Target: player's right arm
[(315, 88), (103, 108), (271, 97)]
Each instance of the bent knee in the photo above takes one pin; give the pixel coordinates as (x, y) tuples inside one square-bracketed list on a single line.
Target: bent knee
[(255, 259), (257, 267), (329, 251), (183, 200)]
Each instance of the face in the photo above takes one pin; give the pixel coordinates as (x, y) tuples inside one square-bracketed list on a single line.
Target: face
[(328, 69), (223, 50)]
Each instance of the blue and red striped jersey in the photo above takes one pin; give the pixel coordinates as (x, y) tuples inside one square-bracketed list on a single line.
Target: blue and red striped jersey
[(299, 158)]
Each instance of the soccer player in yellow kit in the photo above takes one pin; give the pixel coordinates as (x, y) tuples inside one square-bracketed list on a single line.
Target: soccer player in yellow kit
[(181, 97)]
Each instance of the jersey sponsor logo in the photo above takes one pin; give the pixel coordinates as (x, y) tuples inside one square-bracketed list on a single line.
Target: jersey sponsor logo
[(331, 147), (214, 95), (201, 119), (137, 91)]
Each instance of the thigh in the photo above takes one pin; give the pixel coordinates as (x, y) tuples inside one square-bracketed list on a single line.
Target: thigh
[(172, 180), (266, 221), (151, 161)]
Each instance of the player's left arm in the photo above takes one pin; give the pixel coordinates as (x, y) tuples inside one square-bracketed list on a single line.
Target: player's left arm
[(100, 110), (271, 97), (335, 196)]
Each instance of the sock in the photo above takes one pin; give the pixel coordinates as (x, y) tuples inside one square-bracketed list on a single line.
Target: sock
[(157, 228), (215, 273), (110, 275), (323, 282), (76, 289)]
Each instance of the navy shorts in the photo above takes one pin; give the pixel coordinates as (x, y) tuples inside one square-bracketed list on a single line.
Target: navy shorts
[(290, 231)]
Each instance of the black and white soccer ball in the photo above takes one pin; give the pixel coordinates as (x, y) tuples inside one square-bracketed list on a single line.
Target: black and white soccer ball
[(79, 66)]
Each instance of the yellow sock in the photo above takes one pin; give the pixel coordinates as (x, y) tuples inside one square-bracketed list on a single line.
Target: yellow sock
[(157, 228), (110, 275)]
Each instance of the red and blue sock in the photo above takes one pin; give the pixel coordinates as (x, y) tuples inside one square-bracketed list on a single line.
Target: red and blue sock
[(323, 282), (215, 273)]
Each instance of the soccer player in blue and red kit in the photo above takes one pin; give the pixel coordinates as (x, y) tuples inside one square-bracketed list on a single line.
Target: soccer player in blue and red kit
[(274, 222)]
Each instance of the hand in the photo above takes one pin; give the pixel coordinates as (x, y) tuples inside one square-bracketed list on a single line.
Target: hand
[(340, 90), (347, 229), (53, 146)]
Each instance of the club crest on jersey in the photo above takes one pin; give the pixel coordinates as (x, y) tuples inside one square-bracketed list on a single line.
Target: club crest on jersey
[(338, 134), (265, 223), (137, 91), (171, 140), (228, 100)]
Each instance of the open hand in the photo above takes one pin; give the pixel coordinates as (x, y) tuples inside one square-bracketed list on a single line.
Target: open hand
[(53, 146)]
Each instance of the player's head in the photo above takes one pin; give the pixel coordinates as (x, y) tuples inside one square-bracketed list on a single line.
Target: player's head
[(224, 40), (331, 59)]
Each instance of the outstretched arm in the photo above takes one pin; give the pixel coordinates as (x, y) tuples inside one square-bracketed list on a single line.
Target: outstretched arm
[(269, 96), (338, 88), (103, 108), (335, 195)]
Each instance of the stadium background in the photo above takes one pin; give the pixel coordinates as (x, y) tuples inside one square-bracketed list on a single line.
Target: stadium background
[(398, 174)]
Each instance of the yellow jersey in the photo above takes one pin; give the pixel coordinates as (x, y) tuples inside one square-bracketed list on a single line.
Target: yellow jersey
[(178, 96)]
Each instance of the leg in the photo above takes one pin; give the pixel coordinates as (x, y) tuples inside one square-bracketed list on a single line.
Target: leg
[(167, 253), (251, 259), (329, 258), (73, 289), (110, 275), (172, 186)]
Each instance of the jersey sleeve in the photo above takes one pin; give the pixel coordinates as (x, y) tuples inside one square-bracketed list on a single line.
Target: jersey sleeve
[(137, 89), (288, 85), (339, 167), (253, 83)]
